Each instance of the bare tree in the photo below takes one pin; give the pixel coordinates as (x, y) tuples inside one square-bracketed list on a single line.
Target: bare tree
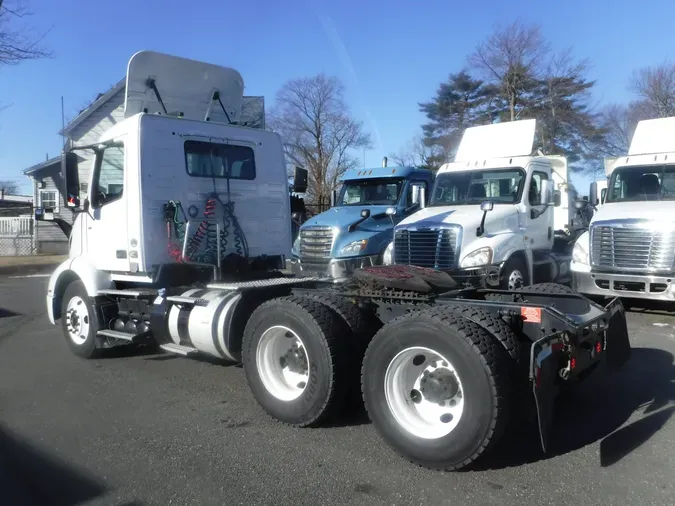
[(318, 131), (512, 59), (416, 153), (9, 187), (656, 87), (17, 42), (618, 122)]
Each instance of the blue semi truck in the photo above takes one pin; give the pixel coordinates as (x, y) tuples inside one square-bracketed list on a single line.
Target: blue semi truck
[(358, 230)]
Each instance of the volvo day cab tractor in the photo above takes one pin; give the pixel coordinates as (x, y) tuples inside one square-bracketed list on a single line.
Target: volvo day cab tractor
[(497, 215), (179, 243), (356, 231), (629, 250)]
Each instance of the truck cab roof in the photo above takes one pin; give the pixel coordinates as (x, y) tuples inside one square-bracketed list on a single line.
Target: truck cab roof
[(384, 172), (653, 143)]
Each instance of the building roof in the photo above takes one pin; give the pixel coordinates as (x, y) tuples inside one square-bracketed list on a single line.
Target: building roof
[(16, 198), (41, 166), (101, 99)]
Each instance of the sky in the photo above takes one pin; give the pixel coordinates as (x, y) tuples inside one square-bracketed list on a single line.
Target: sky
[(390, 56)]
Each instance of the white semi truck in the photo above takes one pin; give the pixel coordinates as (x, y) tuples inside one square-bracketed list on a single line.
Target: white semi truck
[(629, 249), (497, 215), (180, 243)]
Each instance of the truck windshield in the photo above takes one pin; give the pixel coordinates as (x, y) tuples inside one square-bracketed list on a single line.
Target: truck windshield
[(640, 183), (372, 192), (501, 186)]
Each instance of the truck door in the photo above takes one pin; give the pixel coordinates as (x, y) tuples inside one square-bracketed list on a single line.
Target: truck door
[(107, 216), (539, 218)]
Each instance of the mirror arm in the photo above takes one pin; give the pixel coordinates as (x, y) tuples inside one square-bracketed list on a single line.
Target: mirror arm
[(481, 227)]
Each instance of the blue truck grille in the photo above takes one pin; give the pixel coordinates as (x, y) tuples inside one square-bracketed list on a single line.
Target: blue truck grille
[(434, 248), (316, 243)]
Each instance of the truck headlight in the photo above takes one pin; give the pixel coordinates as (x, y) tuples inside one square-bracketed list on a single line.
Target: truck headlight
[(295, 250), (480, 257), (388, 256), (579, 254), (354, 248)]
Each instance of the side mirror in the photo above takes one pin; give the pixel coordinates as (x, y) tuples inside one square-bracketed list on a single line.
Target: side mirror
[(546, 192), (365, 214), (391, 211), (71, 179), (579, 204), (593, 194), (423, 197), (557, 198), (300, 180), (487, 205)]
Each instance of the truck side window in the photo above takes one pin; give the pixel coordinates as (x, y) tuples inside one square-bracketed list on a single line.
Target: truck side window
[(109, 182), (418, 184), (534, 195)]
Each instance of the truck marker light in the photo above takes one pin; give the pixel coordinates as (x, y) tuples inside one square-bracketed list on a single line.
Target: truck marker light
[(531, 314)]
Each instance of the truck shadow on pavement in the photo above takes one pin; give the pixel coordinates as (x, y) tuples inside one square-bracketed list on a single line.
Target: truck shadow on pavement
[(29, 476), (597, 411), (6, 313)]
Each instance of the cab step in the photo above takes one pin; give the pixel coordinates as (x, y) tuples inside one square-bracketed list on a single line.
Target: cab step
[(132, 338), (179, 349)]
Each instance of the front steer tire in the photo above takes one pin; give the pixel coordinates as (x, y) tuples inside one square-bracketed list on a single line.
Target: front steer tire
[(483, 367), (321, 330), (78, 321)]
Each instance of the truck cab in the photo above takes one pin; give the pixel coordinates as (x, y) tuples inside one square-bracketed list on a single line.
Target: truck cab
[(358, 230), (179, 192), (497, 215), (629, 249)]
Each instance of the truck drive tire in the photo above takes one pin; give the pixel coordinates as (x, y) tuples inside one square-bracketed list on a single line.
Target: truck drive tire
[(79, 321), (295, 360), (437, 388)]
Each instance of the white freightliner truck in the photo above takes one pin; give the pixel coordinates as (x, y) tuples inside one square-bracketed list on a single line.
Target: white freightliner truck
[(629, 249), (179, 245), (497, 215)]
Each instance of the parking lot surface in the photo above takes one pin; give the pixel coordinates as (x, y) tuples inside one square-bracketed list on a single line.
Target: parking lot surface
[(159, 429)]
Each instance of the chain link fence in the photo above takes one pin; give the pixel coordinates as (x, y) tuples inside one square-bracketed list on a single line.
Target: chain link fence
[(16, 236)]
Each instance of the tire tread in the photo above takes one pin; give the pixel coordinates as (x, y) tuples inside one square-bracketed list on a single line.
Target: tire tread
[(328, 322), (497, 362)]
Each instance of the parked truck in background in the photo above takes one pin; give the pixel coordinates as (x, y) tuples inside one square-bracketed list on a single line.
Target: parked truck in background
[(629, 249), (497, 215), (357, 230), (180, 245)]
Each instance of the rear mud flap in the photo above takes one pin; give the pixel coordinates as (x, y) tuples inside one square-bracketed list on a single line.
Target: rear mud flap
[(617, 343), (544, 368)]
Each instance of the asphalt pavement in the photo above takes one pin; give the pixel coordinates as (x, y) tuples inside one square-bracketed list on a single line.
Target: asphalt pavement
[(165, 430)]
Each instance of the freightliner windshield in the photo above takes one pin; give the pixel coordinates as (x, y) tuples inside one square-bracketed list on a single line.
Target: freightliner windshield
[(501, 186)]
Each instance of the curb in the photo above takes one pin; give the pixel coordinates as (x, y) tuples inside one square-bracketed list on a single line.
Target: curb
[(10, 270)]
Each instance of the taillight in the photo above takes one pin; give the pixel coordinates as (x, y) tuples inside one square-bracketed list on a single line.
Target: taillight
[(598, 347)]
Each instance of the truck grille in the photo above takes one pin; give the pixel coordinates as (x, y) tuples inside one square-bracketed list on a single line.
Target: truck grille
[(632, 246), (435, 248), (316, 242)]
